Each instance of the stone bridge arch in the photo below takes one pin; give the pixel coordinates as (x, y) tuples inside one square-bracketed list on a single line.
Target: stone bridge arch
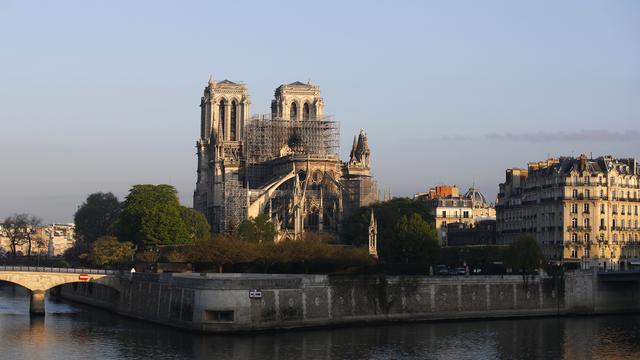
[(39, 282)]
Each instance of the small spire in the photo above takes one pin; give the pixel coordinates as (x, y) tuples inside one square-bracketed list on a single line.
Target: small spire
[(211, 81)]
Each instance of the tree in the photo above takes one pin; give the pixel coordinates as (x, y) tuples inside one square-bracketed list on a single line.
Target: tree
[(107, 250), (197, 225), (20, 229), (525, 255), (415, 241), (96, 215), (258, 229), (221, 251), (388, 213), (151, 216)]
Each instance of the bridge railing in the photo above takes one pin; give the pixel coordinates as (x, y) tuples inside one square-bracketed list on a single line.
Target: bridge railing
[(60, 270)]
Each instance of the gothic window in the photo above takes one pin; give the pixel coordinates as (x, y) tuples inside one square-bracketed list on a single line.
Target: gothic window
[(234, 120), (223, 117), (305, 111), (293, 114)]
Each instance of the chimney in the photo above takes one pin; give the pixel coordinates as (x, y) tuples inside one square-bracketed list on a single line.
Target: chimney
[(582, 162)]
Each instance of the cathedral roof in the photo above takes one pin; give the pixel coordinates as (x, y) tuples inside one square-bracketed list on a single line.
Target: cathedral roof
[(298, 83), (225, 81)]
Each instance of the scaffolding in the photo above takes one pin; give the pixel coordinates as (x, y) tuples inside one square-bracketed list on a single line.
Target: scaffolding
[(266, 137)]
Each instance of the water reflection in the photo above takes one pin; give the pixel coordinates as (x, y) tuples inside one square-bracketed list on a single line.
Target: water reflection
[(77, 332)]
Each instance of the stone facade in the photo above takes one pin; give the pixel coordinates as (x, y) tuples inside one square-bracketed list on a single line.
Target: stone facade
[(582, 211), (284, 165), (50, 240), (447, 207)]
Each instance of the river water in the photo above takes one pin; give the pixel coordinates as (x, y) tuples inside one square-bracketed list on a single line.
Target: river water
[(71, 331)]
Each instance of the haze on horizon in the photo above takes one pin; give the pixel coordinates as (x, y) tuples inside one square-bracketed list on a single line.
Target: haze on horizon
[(98, 96)]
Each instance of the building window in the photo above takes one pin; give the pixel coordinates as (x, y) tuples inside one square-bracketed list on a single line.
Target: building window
[(613, 224), (574, 223), (305, 111), (444, 213), (601, 208), (586, 238), (586, 180), (234, 120), (602, 224), (223, 117), (575, 193), (574, 237), (574, 208), (601, 194), (587, 194), (574, 253), (586, 208), (586, 223), (614, 209), (293, 113), (465, 214)]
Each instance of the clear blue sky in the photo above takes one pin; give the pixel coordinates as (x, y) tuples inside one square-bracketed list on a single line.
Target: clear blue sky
[(100, 95)]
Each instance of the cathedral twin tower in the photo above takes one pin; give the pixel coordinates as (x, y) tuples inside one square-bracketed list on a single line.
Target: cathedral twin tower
[(284, 165)]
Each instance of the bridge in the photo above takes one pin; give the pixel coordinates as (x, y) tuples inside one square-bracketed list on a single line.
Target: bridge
[(40, 279)]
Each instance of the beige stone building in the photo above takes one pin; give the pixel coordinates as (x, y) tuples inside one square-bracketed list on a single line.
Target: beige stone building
[(284, 165), (582, 211), (48, 240), (447, 207)]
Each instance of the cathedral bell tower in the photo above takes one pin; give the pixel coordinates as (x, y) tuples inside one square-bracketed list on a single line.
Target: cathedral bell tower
[(224, 110)]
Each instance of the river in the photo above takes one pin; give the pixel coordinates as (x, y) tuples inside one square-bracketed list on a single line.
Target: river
[(72, 331)]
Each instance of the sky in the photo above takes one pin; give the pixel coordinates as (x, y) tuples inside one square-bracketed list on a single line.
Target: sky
[(102, 95)]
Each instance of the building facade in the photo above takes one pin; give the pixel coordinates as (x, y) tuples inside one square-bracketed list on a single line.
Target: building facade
[(47, 240), (447, 206), (284, 165), (582, 211)]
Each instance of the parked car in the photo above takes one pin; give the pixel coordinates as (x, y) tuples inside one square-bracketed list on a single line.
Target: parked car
[(459, 271), (442, 270)]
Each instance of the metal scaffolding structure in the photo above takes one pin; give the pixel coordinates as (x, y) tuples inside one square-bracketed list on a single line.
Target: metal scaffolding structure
[(266, 137)]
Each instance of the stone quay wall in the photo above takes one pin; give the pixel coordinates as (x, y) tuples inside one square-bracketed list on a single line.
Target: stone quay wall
[(253, 302)]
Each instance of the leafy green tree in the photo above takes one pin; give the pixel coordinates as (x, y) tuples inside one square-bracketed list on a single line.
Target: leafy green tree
[(95, 216), (415, 241), (221, 251), (151, 216), (258, 229), (524, 254), (388, 213), (107, 250), (197, 225)]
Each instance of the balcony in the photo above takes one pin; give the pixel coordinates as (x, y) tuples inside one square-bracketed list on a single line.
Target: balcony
[(578, 228)]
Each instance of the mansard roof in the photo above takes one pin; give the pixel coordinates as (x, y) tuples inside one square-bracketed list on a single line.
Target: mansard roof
[(565, 165)]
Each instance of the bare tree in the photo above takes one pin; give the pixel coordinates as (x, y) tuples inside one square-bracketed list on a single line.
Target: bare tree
[(21, 230)]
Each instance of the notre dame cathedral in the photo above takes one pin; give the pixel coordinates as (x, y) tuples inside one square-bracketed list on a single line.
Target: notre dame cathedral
[(285, 165)]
